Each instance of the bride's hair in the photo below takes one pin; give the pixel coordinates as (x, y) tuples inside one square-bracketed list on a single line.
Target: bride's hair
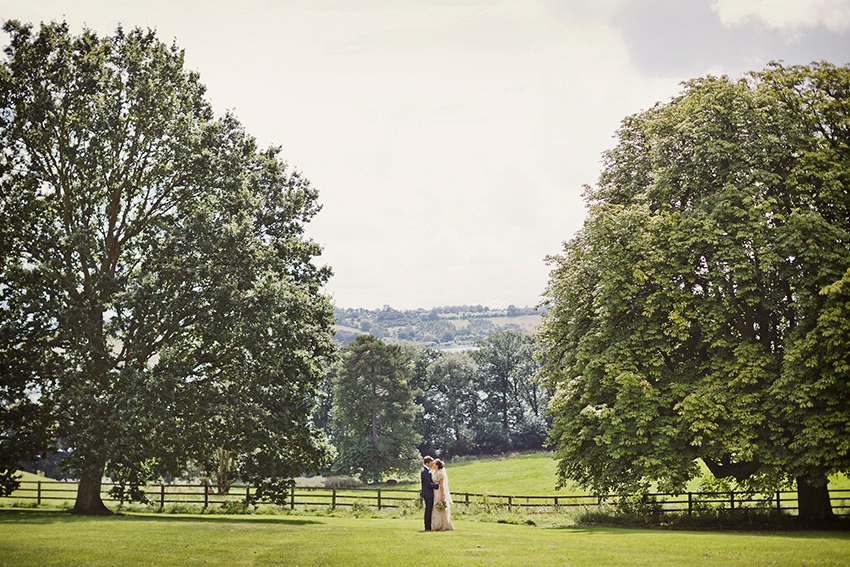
[(439, 464)]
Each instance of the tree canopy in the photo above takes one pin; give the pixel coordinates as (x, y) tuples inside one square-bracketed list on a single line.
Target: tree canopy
[(511, 415), (482, 400), (447, 392), (373, 410), (703, 310), (159, 302)]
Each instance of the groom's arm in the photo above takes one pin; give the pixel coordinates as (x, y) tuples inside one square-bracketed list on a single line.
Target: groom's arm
[(427, 480)]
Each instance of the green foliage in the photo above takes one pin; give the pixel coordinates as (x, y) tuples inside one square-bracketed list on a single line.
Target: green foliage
[(124, 493), (700, 517), (160, 301), (702, 311), (483, 400), (448, 395), (452, 394), (342, 482), (373, 411), (511, 416)]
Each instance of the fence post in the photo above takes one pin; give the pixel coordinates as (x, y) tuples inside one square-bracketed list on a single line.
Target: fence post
[(467, 497), (379, 499), (556, 502), (690, 503), (292, 499), (206, 496), (731, 500), (161, 496), (509, 503), (333, 499)]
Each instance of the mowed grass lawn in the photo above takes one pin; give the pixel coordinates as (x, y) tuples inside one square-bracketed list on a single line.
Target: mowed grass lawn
[(45, 538)]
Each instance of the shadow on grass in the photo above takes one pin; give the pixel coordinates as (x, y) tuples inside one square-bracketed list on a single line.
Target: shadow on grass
[(14, 516), (831, 530)]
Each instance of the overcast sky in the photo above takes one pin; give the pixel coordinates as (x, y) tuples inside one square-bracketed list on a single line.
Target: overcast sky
[(450, 140)]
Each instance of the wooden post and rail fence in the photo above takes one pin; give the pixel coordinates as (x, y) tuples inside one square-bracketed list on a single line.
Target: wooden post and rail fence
[(48, 492)]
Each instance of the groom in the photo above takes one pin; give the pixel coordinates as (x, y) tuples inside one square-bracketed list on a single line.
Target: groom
[(427, 492)]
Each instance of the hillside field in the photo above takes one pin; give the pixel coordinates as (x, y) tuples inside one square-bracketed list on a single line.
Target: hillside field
[(529, 474), (443, 328), (523, 473)]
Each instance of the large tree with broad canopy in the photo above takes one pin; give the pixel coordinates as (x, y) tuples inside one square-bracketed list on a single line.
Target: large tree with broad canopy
[(159, 302), (703, 310), (373, 411)]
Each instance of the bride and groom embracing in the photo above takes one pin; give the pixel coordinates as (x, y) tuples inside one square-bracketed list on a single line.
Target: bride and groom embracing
[(435, 487)]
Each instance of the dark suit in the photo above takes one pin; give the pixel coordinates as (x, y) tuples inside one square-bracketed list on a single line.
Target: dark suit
[(427, 494)]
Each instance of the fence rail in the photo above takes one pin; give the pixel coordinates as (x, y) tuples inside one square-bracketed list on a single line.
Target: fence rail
[(46, 492)]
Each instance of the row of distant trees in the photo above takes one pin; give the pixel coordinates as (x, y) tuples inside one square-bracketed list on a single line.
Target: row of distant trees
[(385, 405), (388, 404)]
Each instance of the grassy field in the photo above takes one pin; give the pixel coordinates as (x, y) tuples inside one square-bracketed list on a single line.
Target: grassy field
[(48, 538), (45, 537)]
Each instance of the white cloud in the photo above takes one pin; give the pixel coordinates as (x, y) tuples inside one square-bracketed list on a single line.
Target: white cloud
[(833, 15)]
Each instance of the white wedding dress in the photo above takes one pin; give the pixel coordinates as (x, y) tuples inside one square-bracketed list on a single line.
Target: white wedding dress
[(441, 520)]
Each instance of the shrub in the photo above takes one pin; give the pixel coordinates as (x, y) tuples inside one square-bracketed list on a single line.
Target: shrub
[(234, 507), (182, 509), (640, 505), (343, 482)]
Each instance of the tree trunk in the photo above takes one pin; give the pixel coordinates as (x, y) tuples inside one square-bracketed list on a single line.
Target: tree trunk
[(376, 465), (88, 494), (223, 478), (813, 505), (505, 423)]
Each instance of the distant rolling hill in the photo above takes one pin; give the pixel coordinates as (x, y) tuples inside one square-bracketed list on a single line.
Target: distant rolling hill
[(444, 328)]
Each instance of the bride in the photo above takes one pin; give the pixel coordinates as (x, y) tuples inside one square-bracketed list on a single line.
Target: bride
[(442, 518)]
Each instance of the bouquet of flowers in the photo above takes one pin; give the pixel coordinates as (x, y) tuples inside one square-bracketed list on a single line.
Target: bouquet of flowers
[(441, 505)]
